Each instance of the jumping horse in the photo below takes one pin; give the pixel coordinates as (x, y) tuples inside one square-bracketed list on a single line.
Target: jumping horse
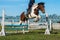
[(34, 13)]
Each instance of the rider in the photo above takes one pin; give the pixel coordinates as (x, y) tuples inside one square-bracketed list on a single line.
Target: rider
[(31, 2)]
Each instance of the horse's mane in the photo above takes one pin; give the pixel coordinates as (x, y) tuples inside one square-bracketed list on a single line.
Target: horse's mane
[(34, 4), (41, 3)]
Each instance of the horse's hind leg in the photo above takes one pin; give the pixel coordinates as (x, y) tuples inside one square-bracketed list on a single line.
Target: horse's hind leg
[(20, 22)]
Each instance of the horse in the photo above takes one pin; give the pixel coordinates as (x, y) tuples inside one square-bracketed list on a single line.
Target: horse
[(33, 13)]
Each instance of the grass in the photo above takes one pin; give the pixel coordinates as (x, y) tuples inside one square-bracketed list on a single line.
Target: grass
[(32, 35)]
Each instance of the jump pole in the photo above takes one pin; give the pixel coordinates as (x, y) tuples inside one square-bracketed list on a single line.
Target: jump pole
[(47, 31), (50, 25), (2, 33)]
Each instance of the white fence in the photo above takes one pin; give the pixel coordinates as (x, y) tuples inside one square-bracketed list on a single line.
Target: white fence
[(56, 25), (38, 25)]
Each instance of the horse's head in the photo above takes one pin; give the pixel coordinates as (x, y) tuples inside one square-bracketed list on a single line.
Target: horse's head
[(41, 7)]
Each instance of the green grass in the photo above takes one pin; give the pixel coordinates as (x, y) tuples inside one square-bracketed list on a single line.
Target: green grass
[(32, 35)]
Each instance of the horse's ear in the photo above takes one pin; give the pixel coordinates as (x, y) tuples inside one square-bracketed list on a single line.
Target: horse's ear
[(41, 3), (23, 12)]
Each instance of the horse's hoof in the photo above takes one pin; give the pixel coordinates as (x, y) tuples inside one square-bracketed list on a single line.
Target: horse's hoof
[(20, 24)]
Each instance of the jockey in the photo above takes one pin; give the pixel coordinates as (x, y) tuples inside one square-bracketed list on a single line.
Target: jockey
[(30, 5)]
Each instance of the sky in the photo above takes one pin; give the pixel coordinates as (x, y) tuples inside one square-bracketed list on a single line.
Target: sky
[(16, 7)]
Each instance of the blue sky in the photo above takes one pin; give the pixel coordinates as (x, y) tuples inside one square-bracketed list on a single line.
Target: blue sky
[(16, 7)]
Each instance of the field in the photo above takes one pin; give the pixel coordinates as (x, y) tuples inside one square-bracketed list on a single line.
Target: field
[(32, 35)]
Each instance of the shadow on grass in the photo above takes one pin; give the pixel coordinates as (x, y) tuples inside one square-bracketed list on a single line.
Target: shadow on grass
[(27, 33), (33, 32)]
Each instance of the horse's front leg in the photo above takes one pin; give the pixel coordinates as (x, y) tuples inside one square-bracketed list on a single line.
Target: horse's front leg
[(37, 18)]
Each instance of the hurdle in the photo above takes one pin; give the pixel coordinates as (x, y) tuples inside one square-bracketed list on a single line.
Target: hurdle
[(46, 26), (48, 29), (38, 26), (2, 33), (22, 27)]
